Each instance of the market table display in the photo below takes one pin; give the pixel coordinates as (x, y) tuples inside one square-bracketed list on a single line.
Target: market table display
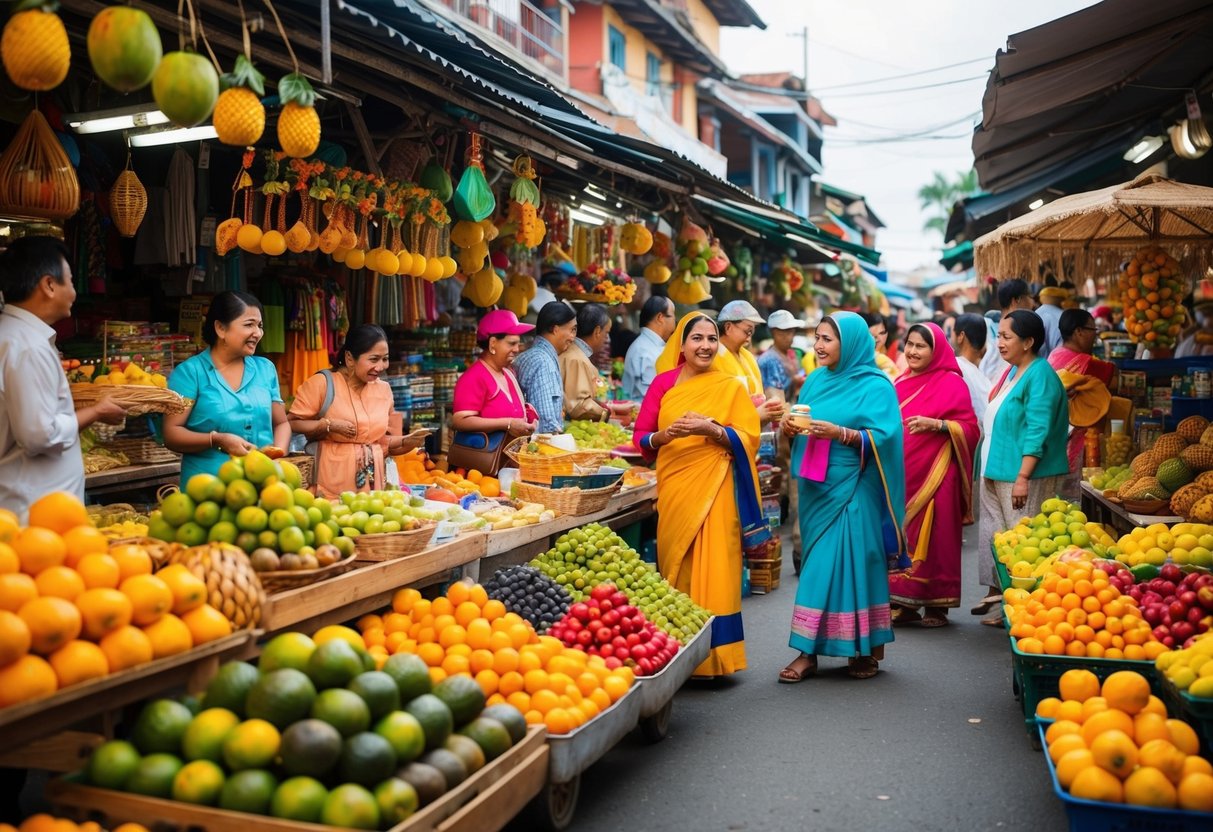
[(1102, 510), (132, 478)]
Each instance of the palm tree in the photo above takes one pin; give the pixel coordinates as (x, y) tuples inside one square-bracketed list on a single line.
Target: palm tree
[(941, 193)]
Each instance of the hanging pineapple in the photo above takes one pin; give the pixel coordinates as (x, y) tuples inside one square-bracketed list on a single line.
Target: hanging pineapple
[(239, 116), (524, 205), (298, 123), (34, 46)]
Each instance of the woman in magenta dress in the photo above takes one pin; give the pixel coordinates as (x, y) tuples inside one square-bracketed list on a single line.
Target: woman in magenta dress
[(941, 433)]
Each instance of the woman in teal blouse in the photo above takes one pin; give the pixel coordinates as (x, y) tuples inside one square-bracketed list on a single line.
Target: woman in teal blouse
[(1025, 430), (237, 404)]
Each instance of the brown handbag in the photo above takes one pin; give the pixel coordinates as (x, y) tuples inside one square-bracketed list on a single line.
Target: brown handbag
[(483, 451)]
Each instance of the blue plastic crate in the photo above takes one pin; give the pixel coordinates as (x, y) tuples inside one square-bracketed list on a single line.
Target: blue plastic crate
[(1096, 816)]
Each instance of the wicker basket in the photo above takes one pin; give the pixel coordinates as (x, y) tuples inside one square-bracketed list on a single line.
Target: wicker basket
[(391, 545), (273, 582), (307, 468), (572, 501), (143, 451), (128, 201), (36, 177), (136, 398), (540, 468)]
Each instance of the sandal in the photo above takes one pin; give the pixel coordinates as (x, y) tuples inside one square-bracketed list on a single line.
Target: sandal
[(905, 616), (993, 621), (934, 618), (862, 667), (986, 604), (790, 675)]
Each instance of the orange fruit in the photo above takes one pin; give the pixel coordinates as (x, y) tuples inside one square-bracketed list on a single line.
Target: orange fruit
[(84, 540), (1109, 720), (169, 636), (59, 582), (188, 590), (493, 609), (1195, 792), (437, 674), (132, 559), (78, 661), (1094, 783), (451, 635), (9, 562), (1070, 710), (1197, 765), (430, 653), (1183, 736), (1155, 706), (404, 600), (480, 660), (1047, 707), (1150, 787), (15, 637), (1164, 756), (103, 610), (535, 681), (1078, 684), (615, 687), (1114, 751), (1064, 744), (15, 590), (130, 827), (1150, 726), (99, 570), (455, 664), (126, 647), (559, 721), (39, 549), (40, 822), (480, 633), (1072, 762), (1126, 691), (207, 624), (520, 700), (8, 525), (458, 592), (29, 677), (52, 622), (58, 511), (489, 682), (150, 598), (511, 682), (1093, 706)]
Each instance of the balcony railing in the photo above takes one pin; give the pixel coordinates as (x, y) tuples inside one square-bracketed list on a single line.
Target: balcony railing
[(528, 29)]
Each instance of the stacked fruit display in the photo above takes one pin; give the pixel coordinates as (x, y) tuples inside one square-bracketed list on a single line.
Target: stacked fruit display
[(467, 634), (499, 515), (1078, 611), (313, 734), (129, 373), (75, 608), (601, 436), (43, 822), (1152, 288), (1111, 478), (1190, 669), (533, 595), (606, 625), (591, 555), (417, 469), (1176, 605), (1172, 467), (1114, 743), (1058, 524), (1183, 544)]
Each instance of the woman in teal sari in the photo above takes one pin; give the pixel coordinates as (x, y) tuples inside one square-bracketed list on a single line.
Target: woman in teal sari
[(852, 503)]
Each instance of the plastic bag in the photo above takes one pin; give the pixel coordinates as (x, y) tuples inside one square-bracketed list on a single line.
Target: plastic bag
[(474, 198)]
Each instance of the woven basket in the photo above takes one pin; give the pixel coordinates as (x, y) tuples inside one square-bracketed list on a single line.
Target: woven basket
[(540, 468), (307, 468), (571, 501), (143, 451), (589, 297), (128, 201), (273, 582), (392, 545), (136, 398), (36, 177)]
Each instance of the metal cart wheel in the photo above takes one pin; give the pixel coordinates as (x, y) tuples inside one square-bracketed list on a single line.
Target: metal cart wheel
[(554, 807), (654, 728)]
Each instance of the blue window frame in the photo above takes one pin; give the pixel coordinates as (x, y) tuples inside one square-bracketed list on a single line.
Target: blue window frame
[(652, 75), (617, 48)]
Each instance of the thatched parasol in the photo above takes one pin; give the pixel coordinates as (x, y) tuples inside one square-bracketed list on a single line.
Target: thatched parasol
[(1098, 230)]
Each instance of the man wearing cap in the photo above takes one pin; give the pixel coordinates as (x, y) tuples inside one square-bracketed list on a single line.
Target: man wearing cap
[(737, 320), (781, 373), (657, 324)]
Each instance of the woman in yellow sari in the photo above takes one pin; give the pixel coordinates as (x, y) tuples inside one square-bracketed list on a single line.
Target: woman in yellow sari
[(701, 427)]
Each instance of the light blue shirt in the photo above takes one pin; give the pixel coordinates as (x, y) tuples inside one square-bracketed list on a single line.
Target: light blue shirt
[(640, 364), (1051, 315), (247, 412), (538, 370)]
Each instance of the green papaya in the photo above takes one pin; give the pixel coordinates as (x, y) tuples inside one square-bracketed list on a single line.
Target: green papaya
[(435, 178)]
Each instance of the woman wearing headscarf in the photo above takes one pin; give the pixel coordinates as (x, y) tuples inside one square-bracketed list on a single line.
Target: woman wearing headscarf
[(702, 429), (855, 487), (941, 434)]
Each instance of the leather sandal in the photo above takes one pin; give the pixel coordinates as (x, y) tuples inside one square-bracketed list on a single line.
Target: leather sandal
[(791, 676), (986, 604), (862, 667)]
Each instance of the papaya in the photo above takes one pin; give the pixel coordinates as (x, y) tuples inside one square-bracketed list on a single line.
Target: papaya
[(186, 87), (124, 47), (435, 178)]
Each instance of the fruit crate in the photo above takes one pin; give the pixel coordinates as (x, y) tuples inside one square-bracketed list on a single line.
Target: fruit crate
[(1196, 712), (764, 574), (1036, 676), (1097, 816), (1000, 569), (484, 802)]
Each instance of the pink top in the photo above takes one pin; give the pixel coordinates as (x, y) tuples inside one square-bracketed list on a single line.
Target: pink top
[(650, 408), (477, 392)]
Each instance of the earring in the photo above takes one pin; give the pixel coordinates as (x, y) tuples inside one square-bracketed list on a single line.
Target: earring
[(492, 352)]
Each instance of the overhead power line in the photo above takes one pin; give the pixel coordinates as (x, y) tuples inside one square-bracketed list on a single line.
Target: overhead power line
[(866, 93), (903, 75)]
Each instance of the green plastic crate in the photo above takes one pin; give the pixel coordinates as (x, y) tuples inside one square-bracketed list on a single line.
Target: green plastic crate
[(1196, 712)]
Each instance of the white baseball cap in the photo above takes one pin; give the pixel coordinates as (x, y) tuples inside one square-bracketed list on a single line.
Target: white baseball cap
[(739, 310), (783, 319)]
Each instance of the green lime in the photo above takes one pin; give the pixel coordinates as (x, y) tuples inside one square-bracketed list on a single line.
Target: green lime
[(112, 763)]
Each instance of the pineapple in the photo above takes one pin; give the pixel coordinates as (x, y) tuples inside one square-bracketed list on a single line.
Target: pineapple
[(34, 46), (239, 116), (298, 123)]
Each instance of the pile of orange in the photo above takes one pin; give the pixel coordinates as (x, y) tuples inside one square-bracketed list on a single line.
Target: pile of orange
[(1076, 612), (43, 822), (466, 632), (73, 607), (416, 469), (1114, 743)]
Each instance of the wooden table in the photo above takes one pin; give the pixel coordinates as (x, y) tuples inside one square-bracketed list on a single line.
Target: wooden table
[(132, 478), (1100, 509)]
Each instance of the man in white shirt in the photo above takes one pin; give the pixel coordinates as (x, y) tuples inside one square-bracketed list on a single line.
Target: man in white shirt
[(657, 324), (1051, 299), (39, 427), (970, 344), (1012, 294)]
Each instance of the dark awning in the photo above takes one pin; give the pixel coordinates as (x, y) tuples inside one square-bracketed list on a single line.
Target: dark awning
[(783, 227)]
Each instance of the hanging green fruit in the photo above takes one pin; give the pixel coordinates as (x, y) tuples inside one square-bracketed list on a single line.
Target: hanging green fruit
[(124, 47)]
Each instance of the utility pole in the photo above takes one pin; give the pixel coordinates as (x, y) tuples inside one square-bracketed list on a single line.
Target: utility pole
[(804, 35)]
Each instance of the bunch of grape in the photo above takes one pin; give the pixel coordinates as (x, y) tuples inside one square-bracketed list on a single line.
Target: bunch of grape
[(591, 555), (530, 593), (602, 436)]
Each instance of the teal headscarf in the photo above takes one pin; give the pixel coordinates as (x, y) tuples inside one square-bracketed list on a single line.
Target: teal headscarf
[(857, 394)]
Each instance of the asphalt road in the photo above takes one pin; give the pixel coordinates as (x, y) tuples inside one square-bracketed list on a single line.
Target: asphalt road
[(936, 741)]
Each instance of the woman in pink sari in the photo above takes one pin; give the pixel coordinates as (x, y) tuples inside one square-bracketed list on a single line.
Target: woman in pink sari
[(1078, 333), (941, 433)]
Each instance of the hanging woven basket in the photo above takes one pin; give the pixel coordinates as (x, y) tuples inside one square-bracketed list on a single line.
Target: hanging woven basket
[(128, 202), (36, 177)]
